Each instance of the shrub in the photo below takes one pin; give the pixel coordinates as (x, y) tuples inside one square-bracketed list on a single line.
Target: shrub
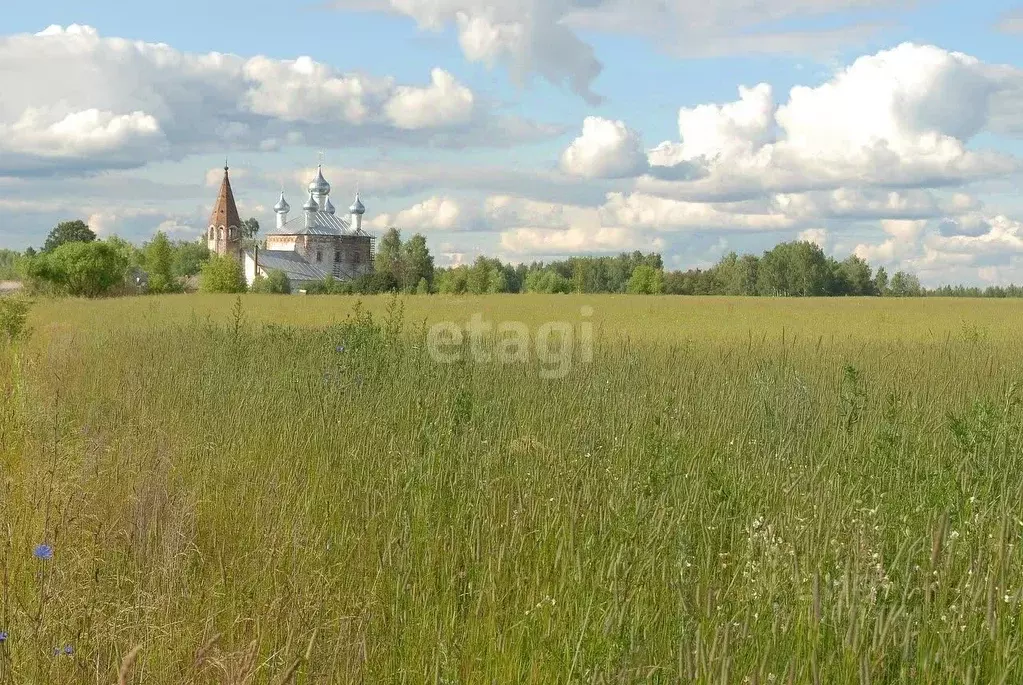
[(276, 283), (81, 269), (222, 274)]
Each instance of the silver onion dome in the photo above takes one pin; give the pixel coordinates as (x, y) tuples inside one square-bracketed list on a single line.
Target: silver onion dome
[(357, 207), (319, 186), (282, 206), (329, 207), (311, 204)]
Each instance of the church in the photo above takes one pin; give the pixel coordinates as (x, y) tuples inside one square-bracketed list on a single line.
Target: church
[(308, 247)]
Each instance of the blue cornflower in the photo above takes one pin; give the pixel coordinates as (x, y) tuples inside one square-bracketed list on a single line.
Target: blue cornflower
[(3, 636), (69, 650), (339, 348), (43, 551)]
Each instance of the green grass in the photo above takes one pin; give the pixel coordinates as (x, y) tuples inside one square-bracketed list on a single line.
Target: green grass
[(784, 491)]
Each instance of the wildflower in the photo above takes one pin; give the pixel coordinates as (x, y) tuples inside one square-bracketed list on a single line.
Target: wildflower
[(69, 650), (3, 636), (43, 551), (339, 348)]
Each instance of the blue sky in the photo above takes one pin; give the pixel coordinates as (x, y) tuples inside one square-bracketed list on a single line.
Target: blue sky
[(477, 123)]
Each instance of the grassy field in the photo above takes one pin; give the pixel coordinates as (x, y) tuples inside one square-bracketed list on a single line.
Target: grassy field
[(292, 489)]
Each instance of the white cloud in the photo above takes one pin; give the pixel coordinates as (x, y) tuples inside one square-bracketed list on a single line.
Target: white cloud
[(87, 132), (434, 214), (215, 176), (445, 102), (543, 36), (727, 131), (575, 240), (647, 211), (606, 149), (886, 120), (76, 101), (818, 236)]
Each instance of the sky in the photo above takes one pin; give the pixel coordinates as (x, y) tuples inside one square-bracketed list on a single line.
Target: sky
[(533, 130)]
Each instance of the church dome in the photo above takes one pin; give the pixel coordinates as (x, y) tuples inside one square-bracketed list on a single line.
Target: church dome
[(357, 207), (282, 206), (319, 186), (310, 204), (329, 207)]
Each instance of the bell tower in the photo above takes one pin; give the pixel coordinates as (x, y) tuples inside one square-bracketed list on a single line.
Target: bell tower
[(224, 235)]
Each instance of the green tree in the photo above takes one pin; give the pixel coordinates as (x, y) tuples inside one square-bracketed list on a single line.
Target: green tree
[(857, 276), (905, 285), (76, 231), (453, 281), (189, 256), (158, 260), (81, 269), (646, 280), (417, 263), (250, 227), (388, 258), (881, 282), (422, 288), (222, 274)]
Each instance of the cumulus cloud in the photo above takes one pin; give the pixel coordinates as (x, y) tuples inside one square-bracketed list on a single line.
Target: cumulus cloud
[(433, 214), (886, 120), (74, 100), (575, 240), (543, 36), (606, 149), (443, 103), (647, 211)]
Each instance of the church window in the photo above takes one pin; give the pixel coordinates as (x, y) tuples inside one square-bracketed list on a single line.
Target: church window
[(319, 256), (337, 256), (220, 233)]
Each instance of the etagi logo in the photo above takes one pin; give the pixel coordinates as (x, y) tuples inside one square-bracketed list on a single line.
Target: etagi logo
[(553, 343)]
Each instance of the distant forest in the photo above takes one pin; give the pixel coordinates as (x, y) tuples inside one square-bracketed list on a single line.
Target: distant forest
[(792, 269)]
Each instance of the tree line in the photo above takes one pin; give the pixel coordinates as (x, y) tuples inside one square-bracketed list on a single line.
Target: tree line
[(74, 261)]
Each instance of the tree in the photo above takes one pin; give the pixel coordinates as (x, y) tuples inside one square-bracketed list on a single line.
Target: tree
[(856, 276), (158, 259), (881, 282), (81, 269), (422, 288), (417, 263), (250, 227), (388, 257), (646, 280), (189, 256), (76, 231), (222, 274), (905, 285)]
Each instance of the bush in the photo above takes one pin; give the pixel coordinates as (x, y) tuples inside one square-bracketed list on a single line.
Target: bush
[(81, 269), (276, 283), (222, 274)]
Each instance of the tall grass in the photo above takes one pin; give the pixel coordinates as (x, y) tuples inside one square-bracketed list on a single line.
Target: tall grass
[(763, 495)]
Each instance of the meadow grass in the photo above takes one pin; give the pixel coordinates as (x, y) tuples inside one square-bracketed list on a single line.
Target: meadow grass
[(732, 490)]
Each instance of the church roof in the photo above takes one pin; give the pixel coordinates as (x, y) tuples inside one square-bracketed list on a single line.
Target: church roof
[(322, 223), (225, 211), (291, 263)]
